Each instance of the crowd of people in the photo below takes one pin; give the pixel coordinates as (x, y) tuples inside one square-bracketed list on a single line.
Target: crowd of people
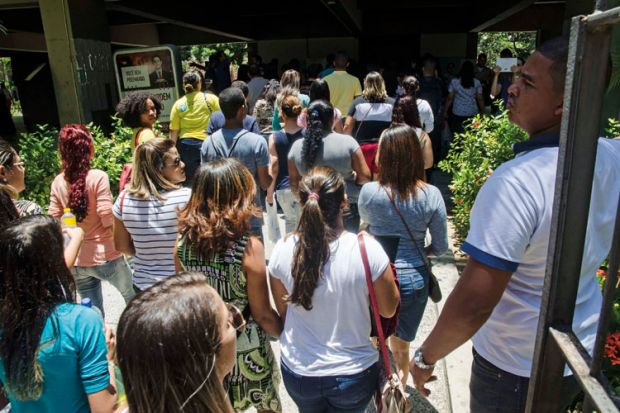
[(348, 166)]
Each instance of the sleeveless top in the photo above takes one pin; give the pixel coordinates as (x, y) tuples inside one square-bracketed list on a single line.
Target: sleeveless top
[(283, 142)]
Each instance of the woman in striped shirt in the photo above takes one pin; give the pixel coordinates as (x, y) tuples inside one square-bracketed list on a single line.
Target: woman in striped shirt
[(145, 213)]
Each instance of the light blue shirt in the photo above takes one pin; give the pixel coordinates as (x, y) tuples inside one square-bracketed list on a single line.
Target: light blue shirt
[(426, 210), (73, 357)]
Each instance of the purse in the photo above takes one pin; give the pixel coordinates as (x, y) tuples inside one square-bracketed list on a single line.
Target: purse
[(390, 396), (434, 291)]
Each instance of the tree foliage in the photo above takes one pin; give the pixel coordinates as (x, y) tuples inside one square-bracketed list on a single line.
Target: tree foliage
[(492, 43), (201, 52)]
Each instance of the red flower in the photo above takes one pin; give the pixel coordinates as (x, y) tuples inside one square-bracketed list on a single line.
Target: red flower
[(612, 348), (475, 124)]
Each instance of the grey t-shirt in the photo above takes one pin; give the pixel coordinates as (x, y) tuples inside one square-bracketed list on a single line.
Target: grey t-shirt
[(251, 149), (426, 210), (336, 152)]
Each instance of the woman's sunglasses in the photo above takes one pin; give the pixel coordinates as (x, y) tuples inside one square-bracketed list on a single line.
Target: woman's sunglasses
[(175, 163), (236, 319)]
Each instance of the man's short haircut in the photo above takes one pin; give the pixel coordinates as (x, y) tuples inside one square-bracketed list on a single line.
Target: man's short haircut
[(341, 59), (231, 100), (482, 55), (240, 84), (556, 50), (505, 53), (254, 70)]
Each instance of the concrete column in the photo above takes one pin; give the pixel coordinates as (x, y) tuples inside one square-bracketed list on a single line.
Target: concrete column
[(78, 43)]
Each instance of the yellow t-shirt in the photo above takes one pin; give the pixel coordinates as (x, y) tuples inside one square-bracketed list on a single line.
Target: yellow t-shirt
[(190, 115), (145, 134), (343, 88)]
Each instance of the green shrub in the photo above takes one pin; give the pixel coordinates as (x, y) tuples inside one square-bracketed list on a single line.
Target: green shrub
[(474, 155), (40, 153), (613, 128)]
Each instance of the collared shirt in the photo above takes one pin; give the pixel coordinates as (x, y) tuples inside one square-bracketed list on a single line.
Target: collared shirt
[(510, 231)]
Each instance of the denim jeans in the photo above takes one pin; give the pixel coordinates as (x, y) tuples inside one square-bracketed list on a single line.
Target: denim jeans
[(189, 151), (493, 390), (413, 298), (351, 219), (331, 394), (116, 272), (290, 207)]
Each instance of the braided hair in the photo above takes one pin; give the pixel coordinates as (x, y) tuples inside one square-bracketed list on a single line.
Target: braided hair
[(320, 118)]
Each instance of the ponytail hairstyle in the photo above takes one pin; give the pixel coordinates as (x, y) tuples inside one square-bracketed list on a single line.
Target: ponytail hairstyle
[(320, 119), (467, 74), (322, 192), (35, 280), (406, 111), (291, 106), (191, 82), (411, 85), (75, 144)]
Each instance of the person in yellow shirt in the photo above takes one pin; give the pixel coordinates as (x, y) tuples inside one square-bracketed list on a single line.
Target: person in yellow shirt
[(139, 111), (189, 119), (343, 87)]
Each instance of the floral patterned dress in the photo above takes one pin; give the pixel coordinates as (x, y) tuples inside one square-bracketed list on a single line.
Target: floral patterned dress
[(255, 377)]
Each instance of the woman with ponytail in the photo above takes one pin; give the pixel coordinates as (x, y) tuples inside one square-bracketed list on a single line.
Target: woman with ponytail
[(53, 355), (319, 286), (189, 120), (321, 146), (411, 87), (86, 192), (406, 112)]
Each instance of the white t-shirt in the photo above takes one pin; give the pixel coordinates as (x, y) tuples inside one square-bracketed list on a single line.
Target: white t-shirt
[(153, 227), (510, 230), (333, 338), (426, 115)]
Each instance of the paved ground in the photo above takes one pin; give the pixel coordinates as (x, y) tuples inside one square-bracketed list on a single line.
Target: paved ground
[(448, 394)]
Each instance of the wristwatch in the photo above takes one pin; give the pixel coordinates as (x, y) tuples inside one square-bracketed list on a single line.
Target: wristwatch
[(418, 359)]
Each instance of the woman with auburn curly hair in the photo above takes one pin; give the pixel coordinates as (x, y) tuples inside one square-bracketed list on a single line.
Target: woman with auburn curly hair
[(86, 192), (214, 240)]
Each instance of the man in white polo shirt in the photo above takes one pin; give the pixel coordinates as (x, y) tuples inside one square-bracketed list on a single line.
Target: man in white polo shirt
[(497, 298)]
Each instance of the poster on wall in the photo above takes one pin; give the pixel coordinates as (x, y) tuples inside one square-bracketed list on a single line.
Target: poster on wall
[(155, 70)]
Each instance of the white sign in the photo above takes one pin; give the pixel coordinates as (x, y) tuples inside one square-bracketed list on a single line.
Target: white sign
[(135, 77)]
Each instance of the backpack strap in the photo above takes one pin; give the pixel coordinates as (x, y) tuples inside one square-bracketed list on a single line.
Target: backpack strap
[(137, 137)]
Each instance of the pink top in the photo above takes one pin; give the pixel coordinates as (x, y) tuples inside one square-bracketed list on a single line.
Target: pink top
[(98, 246), (302, 120)]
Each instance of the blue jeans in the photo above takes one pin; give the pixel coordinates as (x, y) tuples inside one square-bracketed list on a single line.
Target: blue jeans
[(189, 151), (413, 299), (116, 272), (493, 390), (331, 394)]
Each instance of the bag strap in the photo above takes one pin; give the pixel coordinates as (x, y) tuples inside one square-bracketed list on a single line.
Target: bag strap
[(373, 301), (362, 121), (120, 205), (204, 95), (137, 137), (402, 218), (237, 139)]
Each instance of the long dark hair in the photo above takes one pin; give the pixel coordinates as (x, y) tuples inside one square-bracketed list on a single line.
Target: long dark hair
[(466, 74), (35, 279), (320, 119), (8, 212), (270, 92), (75, 144), (406, 111), (319, 90), (411, 86), (168, 341), (321, 192), (400, 163)]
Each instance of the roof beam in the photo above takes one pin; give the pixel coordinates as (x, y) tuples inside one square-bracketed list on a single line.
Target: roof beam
[(135, 12), (347, 13), (501, 12)]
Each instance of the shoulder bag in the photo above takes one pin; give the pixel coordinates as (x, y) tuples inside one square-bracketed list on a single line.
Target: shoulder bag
[(434, 291), (390, 396)]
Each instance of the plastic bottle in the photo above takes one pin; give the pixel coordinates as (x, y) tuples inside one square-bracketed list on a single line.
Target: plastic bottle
[(68, 219), (87, 302)]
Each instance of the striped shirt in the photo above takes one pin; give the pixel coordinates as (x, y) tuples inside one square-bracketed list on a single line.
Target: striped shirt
[(153, 227)]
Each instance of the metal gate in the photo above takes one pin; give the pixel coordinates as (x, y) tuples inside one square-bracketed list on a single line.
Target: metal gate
[(556, 343)]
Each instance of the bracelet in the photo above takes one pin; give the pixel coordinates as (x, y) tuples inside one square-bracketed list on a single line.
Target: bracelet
[(418, 359)]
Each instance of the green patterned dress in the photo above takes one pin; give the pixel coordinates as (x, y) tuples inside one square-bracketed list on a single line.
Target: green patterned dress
[(255, 377)]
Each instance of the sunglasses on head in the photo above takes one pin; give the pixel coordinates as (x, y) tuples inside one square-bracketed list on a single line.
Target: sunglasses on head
[(236, 319)]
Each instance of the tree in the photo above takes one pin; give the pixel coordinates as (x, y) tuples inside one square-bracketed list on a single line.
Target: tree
[(492, 43)]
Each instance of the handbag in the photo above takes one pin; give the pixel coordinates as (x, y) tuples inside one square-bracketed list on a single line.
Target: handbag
[(434, 291), (390, 396)]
